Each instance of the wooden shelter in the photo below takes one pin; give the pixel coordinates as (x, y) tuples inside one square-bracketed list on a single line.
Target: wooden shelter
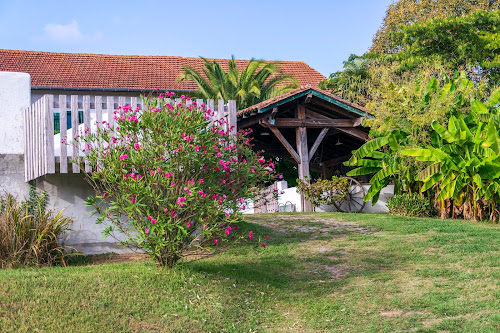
[(317, 130)]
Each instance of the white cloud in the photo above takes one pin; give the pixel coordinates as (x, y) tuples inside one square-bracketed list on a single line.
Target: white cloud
[(67, 33)]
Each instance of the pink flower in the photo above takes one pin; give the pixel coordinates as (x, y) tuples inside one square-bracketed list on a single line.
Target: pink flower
[(132, 200), (261, 160), (200, 181), (165, 210), (250, 235), (168, 175), (172, 213), (149, 217), (263, 245), (189, 225), (227, 231), (105, 195), (146, 231), (123, 157), (153, 221), (205, 227), (280, 176), (136, 146), (216, 241), (266, 237), (227, 214)]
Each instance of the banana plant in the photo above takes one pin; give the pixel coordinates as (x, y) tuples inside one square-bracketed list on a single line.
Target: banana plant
[(381, 158), (465, 157)]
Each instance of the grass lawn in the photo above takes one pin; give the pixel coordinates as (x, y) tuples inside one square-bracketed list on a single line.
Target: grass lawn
[(321, 272)]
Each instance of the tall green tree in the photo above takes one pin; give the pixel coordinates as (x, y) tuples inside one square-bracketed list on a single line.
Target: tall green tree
[(352, 82), (258, 81), (404, 13), (470, 42)]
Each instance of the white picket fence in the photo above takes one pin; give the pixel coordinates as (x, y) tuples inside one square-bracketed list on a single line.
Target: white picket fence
[(43, 149), (267, 200)]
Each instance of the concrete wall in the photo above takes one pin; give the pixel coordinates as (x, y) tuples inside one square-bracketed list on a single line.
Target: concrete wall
[(66, 191), (15, 96)]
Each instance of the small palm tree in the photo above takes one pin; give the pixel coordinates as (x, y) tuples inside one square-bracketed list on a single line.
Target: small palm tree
[(259, 81)]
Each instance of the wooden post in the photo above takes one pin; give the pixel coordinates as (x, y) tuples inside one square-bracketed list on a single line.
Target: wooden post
[(303, 151), (74, 132), (63, 130)]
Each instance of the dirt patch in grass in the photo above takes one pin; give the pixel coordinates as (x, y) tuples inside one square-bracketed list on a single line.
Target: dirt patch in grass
[(317, 227)]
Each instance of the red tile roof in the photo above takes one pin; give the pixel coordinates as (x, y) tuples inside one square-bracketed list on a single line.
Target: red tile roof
[(49, 69), (299, 90)]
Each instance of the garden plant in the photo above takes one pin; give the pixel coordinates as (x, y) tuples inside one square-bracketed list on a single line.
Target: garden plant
[(30, 233), (167, 179)]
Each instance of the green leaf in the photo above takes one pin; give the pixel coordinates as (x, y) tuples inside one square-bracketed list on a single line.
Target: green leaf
[(366, 149), (492, 140), (494, 98), (478, 107), (432, 181), (429, 171), (422, 154), (443, 133), (362, 171)]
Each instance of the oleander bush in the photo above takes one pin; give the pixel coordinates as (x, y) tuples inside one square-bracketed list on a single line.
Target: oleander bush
[(30, 233), (167, 179)]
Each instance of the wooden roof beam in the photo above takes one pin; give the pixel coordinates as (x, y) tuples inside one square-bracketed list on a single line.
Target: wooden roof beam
[(312, 123), (336, 161)]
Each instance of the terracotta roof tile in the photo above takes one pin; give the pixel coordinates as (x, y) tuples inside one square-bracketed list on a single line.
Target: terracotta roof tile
[(74, 70)]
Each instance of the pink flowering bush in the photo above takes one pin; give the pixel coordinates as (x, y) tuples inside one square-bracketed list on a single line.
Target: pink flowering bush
[(168, 181)]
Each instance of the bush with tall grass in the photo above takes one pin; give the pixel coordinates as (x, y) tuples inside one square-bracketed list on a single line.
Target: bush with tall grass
[(30, 233)]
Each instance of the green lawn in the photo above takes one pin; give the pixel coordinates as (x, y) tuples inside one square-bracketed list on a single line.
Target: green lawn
[(321, 272)]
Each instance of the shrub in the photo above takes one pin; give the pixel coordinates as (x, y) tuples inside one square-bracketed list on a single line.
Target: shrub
[(409, 205), (167, 180), (29, 233), (324, 191)]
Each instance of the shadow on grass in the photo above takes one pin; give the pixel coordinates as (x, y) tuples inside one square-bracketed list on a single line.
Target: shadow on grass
[(287, 265)]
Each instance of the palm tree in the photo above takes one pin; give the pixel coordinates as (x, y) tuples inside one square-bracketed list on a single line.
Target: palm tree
[(259, 81)]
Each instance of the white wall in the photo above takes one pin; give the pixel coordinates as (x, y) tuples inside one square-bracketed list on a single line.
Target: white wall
[(288, 195), (15, 96)]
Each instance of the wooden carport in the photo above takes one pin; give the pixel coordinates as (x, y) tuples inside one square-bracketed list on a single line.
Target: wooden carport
[(308, 126)]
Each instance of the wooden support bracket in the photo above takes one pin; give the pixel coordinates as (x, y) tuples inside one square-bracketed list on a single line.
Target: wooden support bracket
[(318, 141), (285, 143)]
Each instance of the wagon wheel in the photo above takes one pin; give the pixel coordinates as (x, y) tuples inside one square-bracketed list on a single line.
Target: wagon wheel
[(353, 201)]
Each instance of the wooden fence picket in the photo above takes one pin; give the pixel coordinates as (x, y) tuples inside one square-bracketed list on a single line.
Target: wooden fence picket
[(38, 119)]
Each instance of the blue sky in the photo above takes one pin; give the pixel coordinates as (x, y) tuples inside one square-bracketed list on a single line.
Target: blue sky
[(320, 33)]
